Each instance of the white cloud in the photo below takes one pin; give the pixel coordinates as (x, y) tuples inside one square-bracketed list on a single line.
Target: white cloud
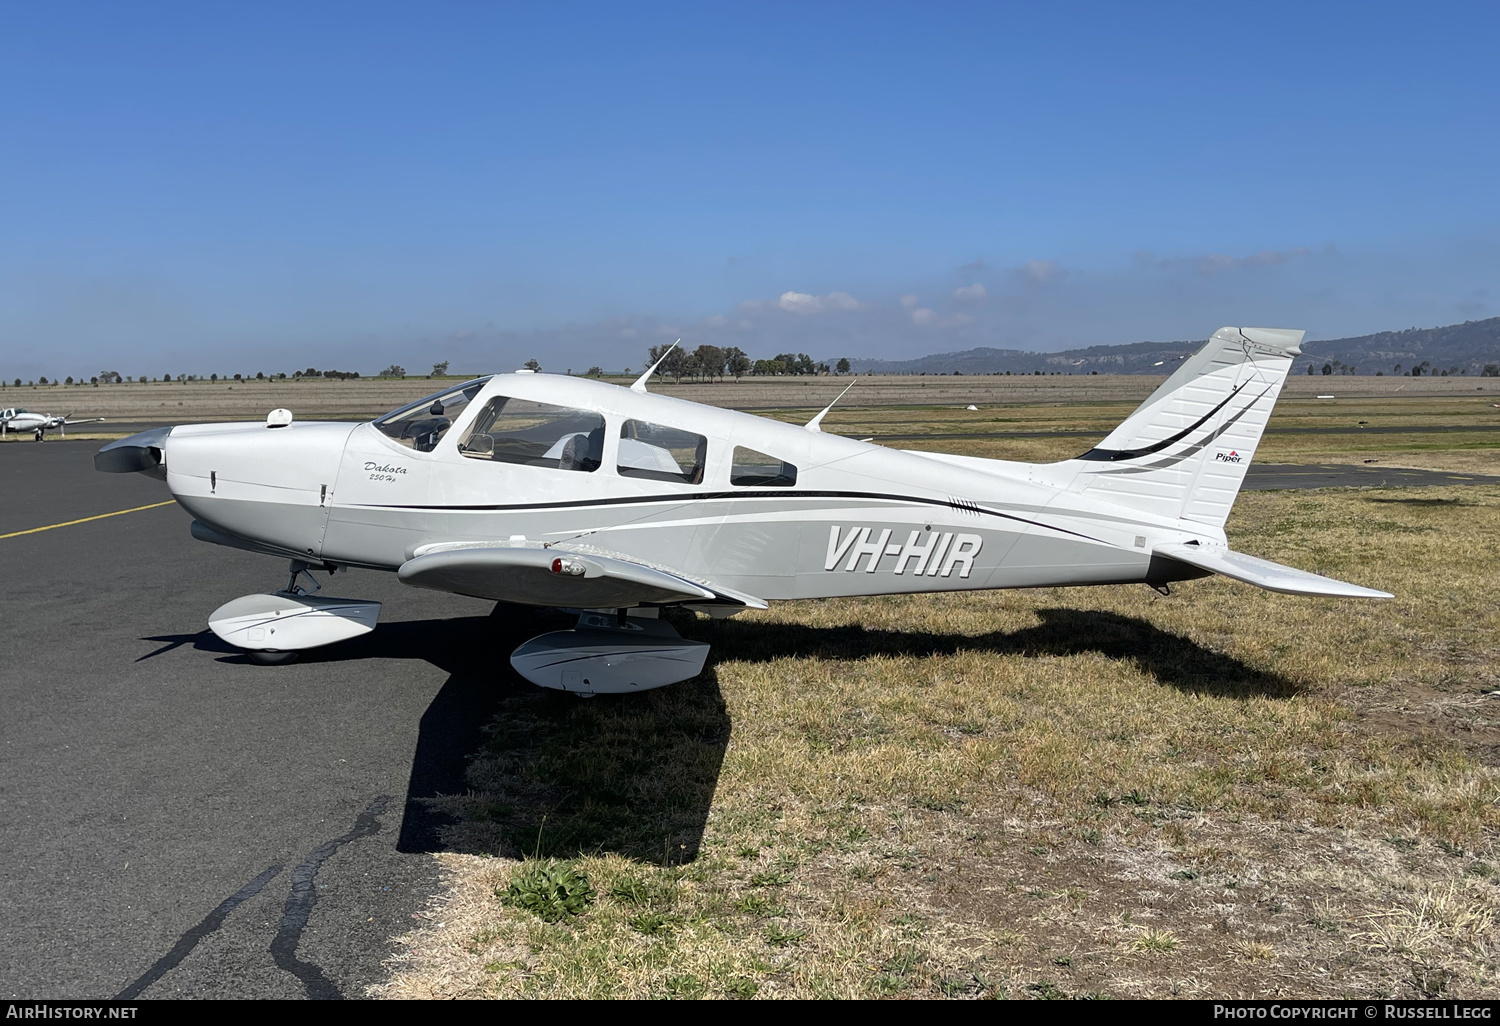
[(925, 318), (1265, 258), (1210, 264), (716, 321), (1042, 271), (910, 301), (801, 302), (975, 293)]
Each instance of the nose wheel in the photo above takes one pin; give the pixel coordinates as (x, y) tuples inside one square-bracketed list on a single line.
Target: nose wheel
[(270, 657)]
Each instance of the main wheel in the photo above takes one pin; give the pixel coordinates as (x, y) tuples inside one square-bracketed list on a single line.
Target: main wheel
[(270, 656)]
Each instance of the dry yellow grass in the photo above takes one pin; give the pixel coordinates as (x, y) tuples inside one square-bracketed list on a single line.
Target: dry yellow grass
[(1221, 792)]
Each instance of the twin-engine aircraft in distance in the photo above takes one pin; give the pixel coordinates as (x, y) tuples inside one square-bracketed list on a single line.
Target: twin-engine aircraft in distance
[(612, 503), (18, 421)]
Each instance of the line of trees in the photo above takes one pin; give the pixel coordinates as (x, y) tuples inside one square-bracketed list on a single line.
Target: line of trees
[(114, 377), (705, 362), (712, 363), (1423, 369), (1426, 368)]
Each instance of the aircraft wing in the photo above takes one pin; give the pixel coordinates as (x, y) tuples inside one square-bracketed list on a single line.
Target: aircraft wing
[(556, 577), (1265, 574)]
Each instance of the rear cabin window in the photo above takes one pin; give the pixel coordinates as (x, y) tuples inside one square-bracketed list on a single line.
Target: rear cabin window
[(422, 424), (661, 453), (536, 435), (756, 469)]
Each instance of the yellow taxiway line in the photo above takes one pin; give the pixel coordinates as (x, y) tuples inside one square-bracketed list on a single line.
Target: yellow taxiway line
[(101, 516)]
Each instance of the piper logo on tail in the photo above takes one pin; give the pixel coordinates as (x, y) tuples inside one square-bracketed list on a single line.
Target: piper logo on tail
[(938, 554), (1228, 457)]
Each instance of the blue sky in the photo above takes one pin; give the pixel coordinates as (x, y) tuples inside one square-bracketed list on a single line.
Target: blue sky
[(228, 190)]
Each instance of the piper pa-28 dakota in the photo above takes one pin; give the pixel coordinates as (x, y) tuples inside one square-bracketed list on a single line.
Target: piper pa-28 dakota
[(613, 502)]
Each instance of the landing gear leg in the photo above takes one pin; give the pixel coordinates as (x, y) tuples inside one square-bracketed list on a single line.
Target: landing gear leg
[(296, 569), (39, 434)]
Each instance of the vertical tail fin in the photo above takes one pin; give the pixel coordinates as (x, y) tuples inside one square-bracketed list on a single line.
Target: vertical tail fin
[(1183, 453)]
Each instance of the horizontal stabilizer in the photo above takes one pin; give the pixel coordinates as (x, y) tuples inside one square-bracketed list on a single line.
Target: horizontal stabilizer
[(1265, 574)]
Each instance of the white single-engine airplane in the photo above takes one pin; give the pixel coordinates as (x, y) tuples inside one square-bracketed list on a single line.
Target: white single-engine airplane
[(613, 502), (18, 421)]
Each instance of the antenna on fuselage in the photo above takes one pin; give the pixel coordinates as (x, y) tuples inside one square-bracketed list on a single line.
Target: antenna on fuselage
[(640, 382), (814, 424)]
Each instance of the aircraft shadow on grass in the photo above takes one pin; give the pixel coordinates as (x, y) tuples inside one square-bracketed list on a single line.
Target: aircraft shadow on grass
[(1172, 659), (545, 773), (1421, 502)]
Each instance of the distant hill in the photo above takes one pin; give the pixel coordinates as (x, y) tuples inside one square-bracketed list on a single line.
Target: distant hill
[(1456, 348)]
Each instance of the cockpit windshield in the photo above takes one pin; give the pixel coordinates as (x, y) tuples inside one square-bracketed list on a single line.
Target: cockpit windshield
[(422, 424)]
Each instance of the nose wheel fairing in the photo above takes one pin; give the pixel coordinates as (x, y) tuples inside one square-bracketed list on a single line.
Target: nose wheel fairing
[(288, 621)]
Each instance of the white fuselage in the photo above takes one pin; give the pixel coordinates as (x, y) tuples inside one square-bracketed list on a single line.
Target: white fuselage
[(860, 519), (23, 420)]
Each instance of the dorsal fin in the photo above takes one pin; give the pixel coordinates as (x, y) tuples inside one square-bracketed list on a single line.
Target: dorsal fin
[(816, 422), (640, 382)]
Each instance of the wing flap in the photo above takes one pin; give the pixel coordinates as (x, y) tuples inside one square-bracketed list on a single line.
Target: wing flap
[(554, 577), (1265, 574)]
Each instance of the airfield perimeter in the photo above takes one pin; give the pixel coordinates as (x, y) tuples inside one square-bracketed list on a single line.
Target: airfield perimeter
[(1019, 417), (1032, 793)]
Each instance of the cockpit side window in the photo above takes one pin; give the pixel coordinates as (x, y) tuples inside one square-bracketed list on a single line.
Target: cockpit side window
[(661, 453), (422, 424), (536, 435), (753, 468)]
